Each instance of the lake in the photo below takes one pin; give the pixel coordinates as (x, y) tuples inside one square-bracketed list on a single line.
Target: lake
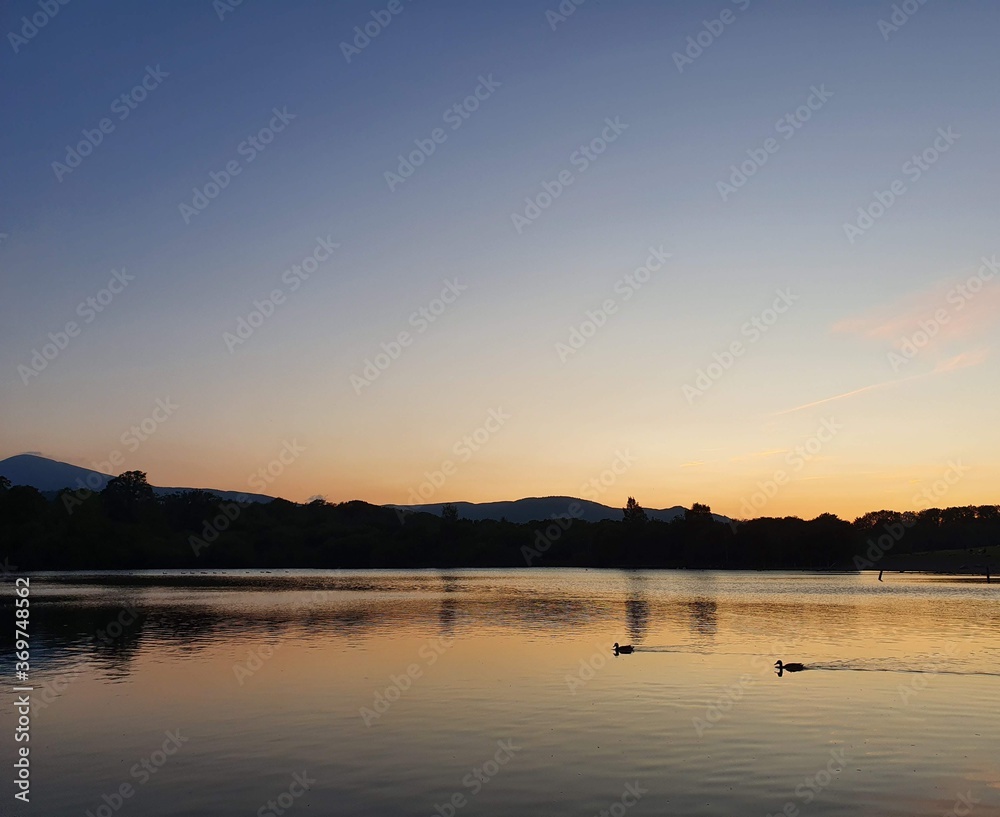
[(495, 692)]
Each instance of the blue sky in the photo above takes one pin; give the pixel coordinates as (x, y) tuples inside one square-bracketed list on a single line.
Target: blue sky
[(656, 185)]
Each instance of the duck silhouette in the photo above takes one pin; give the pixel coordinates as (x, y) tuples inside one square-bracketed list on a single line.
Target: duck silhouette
[(793, 667), (625, 649)]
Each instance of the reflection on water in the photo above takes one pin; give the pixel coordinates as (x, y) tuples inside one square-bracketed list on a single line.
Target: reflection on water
[(449, 605), (703, 616), (394, 689)]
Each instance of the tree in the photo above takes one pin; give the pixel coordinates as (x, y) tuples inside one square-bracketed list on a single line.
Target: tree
[(126, 494), (958, 516), (23, 504), (983, 512), (633, 514), (449, 513), (188, 510), (698, 513), (877, 519), (4, 483)]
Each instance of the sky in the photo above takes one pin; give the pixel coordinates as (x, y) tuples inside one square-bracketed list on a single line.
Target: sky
[(738, 253)]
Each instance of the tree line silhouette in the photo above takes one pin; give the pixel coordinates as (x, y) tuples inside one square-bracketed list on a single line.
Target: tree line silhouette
[(126, 526)]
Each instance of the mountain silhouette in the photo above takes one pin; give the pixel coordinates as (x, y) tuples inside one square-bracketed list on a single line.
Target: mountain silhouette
[(49, 476), (533, 509)]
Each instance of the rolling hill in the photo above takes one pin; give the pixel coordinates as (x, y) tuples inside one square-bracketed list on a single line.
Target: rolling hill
[(547, 507), (49, 476)]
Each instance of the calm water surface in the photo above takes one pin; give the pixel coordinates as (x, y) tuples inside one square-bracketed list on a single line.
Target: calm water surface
[(495, 692)]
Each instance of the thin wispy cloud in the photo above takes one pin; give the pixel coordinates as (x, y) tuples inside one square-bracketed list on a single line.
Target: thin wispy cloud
[(932, 324), (962, 361), (954, 307), (845, 395)]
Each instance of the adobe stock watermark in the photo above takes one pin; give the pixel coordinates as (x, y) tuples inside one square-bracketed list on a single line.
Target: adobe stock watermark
[(562, 12), (631, 796), (753, 330), (429, 653), (229, 512), (212, 527), (122, 105), (136, 434), (964, 804), (582, 158), (420, 320), (301, 783), (921, 680), (477, 779), (544, 539), (626, 286), (913, 169), (224, 7), (363, 35), (88, 309), (957, 297), (30, 26), (143, 772), (711, 30), (796, 460), (48, 691), (587, 669), (787, 126), (929, 497), (292, 278), (85, 489), (894, 531), (132, 438), (597, 486), (901, 14), (290, 452), (720, 707), (810, 787), (464, 449), (249, 149), (255, 660), (455, 117), (592, 489)]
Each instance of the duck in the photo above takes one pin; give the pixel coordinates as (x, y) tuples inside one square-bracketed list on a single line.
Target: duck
[(793, 667), (626, 649)]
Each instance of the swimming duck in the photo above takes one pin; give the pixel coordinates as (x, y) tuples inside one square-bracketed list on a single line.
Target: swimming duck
[(788, 667), (627, 649)]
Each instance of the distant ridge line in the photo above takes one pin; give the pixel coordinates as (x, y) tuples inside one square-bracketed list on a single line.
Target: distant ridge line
[(531, 509), (50, 476)]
